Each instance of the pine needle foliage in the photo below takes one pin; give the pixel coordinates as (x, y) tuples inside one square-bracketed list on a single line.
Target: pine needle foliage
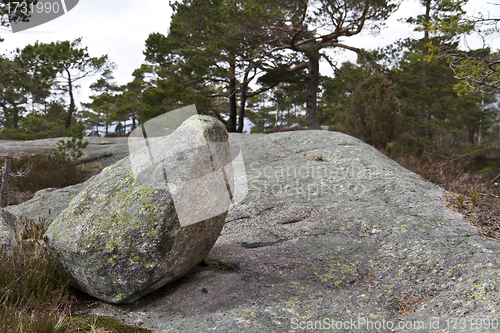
[(373, 113)]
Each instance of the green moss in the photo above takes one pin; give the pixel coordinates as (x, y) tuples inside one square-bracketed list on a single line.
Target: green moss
[(207, 263), (118, 297), (319, 158), (118, 216), (225, 266)]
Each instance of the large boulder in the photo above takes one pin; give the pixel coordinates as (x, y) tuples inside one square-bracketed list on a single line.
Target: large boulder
[(9, 224), (149, 218)]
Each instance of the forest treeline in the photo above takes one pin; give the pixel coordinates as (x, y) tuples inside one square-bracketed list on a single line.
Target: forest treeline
[(258, 62)]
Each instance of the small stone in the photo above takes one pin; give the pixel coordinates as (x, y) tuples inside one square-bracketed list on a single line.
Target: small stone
[(45, 190), (204, 290)]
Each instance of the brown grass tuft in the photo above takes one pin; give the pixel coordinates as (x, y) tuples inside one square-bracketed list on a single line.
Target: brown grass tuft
[(45, 171), (33, 286)]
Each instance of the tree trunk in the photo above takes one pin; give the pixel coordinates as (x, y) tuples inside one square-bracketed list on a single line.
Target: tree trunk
[(232, 96), (16, 118), (241, 116), (4, 189), (71, 101), (14, 112), (425, 52), (312, 92), (471, 131), (277, 114)]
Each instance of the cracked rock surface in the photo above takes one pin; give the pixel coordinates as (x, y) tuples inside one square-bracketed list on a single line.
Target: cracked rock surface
[(331, 233)]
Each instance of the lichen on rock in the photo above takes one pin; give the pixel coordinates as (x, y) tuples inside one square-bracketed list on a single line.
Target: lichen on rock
[(121, 237)]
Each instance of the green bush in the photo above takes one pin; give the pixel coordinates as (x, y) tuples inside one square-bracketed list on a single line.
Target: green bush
[(372, 115), (19, 134), (71, 149), (36, 127), (491, 170)]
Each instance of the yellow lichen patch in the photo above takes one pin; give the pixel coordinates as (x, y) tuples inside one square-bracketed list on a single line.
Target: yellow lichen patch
[(336, 271), (118, 297)]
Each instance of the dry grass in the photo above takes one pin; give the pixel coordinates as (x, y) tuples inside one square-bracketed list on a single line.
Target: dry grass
[(407, 306), (470, 180), (33, 286), (45, 172), (480, 210), (35, 294)]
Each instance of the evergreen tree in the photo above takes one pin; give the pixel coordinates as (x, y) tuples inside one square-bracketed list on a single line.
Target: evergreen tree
[(67, 62), (213, 50), (14, 86), (337, 93), (308, 27), (101, 110), (372, 115), (129, 103)]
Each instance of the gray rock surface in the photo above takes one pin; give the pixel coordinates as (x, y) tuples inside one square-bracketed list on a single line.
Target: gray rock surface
[(105, 150), (122, 237), (9, 224), (352, 238)]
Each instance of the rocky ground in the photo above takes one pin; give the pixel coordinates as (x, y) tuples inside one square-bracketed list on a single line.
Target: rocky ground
[(330, 233), (105, 150)]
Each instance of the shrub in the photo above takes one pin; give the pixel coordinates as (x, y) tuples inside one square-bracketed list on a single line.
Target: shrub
[(372, 114), (70, 150), (474, 197), (20, 134)]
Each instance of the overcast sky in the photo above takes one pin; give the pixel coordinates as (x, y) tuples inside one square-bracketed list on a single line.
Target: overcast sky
[(119, 29)]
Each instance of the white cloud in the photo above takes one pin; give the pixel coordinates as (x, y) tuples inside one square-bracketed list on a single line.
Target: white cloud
[(118, 28)]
